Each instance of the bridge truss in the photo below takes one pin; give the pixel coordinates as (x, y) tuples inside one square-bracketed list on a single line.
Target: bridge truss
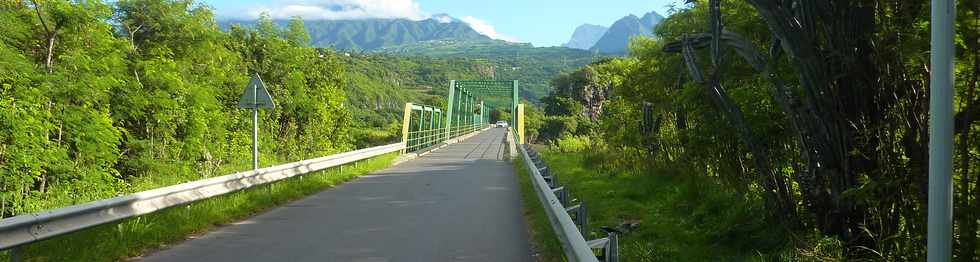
[(467, 105)]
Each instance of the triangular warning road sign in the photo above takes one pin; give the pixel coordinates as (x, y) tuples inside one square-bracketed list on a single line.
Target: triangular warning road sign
[(256, 95)]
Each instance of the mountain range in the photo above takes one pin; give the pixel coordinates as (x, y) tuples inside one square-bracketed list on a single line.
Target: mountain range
[(381, 34), (615, 39), (374, 34), (445, 37)]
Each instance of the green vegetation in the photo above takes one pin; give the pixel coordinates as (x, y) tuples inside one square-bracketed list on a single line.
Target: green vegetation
[(100, 99), (680, 217), (532, 66), (134, 237), (821, 134), (104, 99)]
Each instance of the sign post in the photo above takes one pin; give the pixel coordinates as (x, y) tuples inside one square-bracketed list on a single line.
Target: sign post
[(256, 96)]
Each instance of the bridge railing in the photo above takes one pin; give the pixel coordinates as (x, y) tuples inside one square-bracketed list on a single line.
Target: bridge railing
[(25, 229), (554, 197), (422, 139), (425, 126), (466, 129)]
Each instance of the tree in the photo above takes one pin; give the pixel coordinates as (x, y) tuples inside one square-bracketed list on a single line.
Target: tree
[(99, 99), (841, 113), (296, 33)]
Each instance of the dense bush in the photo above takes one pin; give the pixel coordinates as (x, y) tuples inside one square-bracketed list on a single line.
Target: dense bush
[(570, 144), (100, 98), (821, 122)]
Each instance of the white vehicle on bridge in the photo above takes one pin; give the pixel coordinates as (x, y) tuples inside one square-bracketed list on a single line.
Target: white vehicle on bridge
[(501, 124)]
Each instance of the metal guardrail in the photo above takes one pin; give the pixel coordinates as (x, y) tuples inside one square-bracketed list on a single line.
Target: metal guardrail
[(28, 228), (554, 197)]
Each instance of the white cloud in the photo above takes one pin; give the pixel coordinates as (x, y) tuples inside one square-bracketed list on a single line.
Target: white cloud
[(486, 29), (341, 9), (445, 19)]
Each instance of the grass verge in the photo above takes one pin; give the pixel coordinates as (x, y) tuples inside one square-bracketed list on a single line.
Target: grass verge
[(136, 236), (682, 217), (544, 242)]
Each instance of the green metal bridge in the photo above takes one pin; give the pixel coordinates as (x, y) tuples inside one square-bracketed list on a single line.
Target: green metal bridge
[(467, 111)]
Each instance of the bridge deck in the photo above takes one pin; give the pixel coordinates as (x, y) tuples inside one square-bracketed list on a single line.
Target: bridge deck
[(460, 203)]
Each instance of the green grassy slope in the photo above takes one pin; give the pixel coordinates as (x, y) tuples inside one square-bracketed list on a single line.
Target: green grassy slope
[(681, 217)]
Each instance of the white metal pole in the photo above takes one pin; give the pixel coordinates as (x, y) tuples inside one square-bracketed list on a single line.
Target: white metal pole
[(255, 138), (939, 242)]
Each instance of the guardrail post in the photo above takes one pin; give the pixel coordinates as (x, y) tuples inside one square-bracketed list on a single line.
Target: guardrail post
[(15, 255), (612, 249), (581, 216), (609, 245), (561, 194)]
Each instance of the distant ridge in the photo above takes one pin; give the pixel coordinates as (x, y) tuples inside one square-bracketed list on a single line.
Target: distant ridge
[(586, 36), (374, 34), (616, 39)]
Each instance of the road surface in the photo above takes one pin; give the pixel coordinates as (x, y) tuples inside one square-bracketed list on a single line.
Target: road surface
[(459, 203)]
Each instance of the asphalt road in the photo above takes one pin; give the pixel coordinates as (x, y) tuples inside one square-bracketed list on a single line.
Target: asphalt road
[(459, 203)]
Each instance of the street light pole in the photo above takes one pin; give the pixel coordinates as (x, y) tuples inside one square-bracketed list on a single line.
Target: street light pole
[(940, 228)]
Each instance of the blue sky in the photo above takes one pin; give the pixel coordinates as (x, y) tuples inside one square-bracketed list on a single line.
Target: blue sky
[(540, 22)]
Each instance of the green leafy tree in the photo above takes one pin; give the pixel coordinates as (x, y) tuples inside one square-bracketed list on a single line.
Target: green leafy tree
[(296, 33), (98, 99), (308, 84)]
